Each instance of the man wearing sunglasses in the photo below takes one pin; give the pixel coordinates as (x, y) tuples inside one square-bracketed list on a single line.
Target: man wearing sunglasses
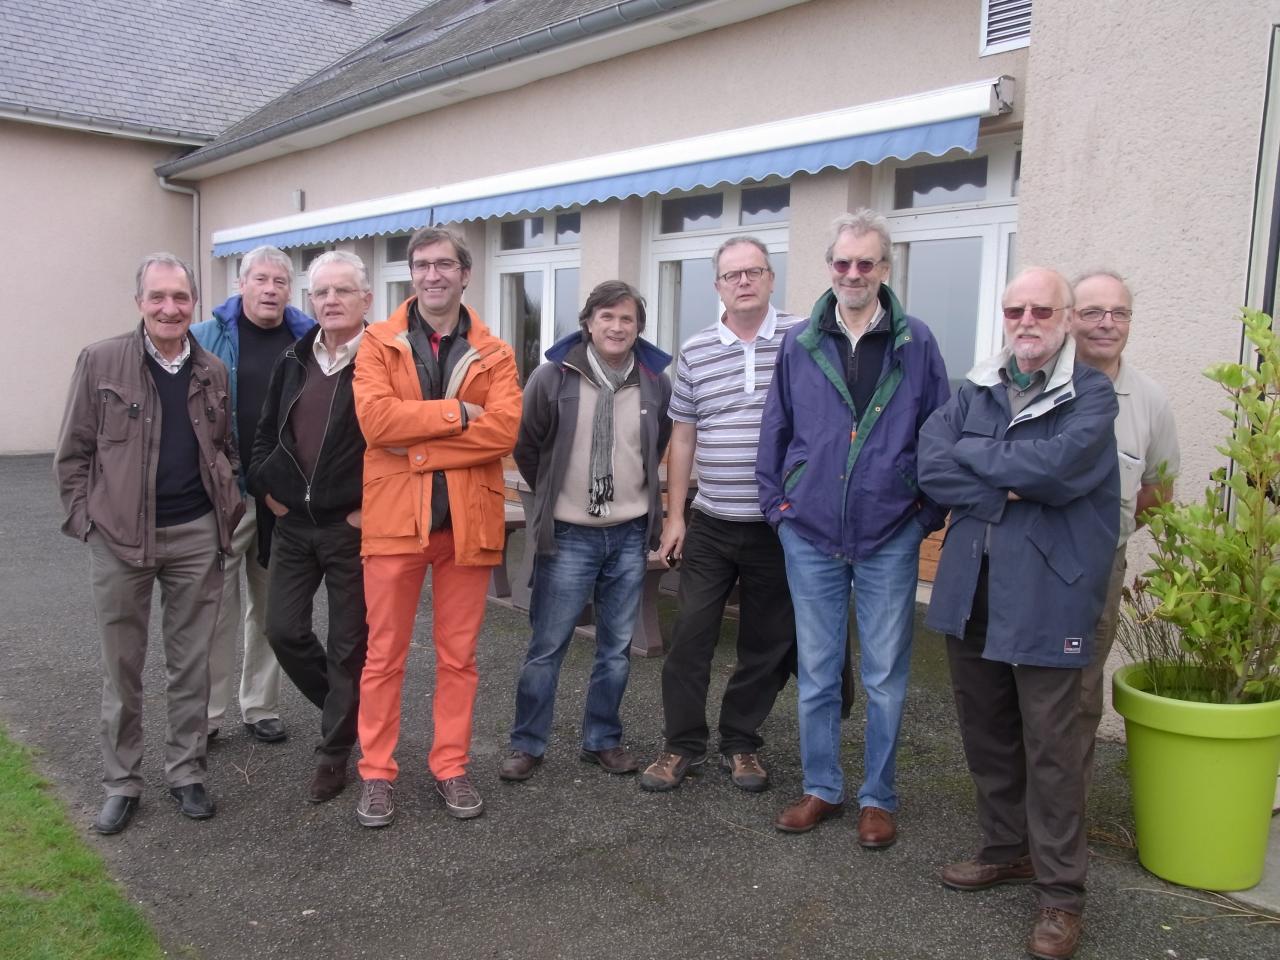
[(837, 475), (1025, 456), (1147, 446)]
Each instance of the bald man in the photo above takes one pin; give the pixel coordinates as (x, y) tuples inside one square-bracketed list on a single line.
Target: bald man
[(1024, 455)]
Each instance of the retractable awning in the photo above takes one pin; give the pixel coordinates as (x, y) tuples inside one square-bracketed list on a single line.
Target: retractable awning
[(930, 123)]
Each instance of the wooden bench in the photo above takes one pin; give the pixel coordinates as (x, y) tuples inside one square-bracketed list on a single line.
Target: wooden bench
[(500, 582)]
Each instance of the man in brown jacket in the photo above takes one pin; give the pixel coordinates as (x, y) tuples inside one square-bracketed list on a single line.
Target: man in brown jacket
[(146, 469)]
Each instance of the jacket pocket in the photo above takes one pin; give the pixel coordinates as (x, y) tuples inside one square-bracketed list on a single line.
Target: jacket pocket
[(120, 411), (979, 423), (793, 476), (1055, 546), (391, 505)]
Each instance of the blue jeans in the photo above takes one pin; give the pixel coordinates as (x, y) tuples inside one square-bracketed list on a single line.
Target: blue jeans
[(884, 587), (611, 562)]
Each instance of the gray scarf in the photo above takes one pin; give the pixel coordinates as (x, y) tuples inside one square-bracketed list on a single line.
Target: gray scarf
[(609, 380)]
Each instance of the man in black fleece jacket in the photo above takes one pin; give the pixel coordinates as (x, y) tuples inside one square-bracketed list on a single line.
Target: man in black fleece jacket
[(307, 468)]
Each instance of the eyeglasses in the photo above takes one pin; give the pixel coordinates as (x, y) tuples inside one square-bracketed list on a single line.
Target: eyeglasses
[(1038, 313), (1095, 315), (862, 266), (322, 293), (751, 273), (442, 266)]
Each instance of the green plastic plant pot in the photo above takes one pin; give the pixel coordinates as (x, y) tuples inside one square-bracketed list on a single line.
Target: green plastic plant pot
[(1203, 777)]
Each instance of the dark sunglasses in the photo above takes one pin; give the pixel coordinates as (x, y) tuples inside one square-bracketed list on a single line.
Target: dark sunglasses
[(863, 266), (1038, 313)]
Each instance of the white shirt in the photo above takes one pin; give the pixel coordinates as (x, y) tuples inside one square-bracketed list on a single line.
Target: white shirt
[(729, 338), (331, 363), (167, 365), (1145, 438)]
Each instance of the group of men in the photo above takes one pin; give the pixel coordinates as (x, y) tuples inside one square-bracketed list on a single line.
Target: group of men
[(824, 449)]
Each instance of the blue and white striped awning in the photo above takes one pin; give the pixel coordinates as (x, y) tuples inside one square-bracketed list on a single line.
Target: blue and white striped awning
[(930, 123)]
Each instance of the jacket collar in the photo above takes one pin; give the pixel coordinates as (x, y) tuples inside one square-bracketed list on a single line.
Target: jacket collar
[(647, 355), (822, 318), (228, 313), (1059, 388)]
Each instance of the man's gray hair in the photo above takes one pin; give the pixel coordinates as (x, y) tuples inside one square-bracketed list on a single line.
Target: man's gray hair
[(860, 222), (1101, 272), (735, 241), (339, 256), (268, 254), (168, 259)]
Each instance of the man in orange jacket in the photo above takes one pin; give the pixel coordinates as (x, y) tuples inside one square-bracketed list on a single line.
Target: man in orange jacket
[(439, 404)]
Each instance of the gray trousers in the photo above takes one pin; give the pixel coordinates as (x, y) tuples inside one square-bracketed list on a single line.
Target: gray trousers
[(186, 567), (1092, 676), (1019, 726), (260, 673)]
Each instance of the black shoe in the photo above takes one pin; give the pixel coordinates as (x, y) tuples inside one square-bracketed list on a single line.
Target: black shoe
[(193, 801), (115, 814), (212, 734), (270, 730)]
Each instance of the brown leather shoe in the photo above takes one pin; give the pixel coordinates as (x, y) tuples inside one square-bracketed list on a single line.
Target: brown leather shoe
[(1056, 934), (330, 780), (519, 766), (806, 813), (972, 875), (614, 759), (876, 829)]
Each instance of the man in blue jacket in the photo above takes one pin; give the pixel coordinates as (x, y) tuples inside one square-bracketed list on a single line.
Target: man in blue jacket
[(837, 474), (1025, 457), (248, 333)]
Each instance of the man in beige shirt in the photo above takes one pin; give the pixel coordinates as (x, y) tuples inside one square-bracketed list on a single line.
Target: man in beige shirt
[(1147, 445)]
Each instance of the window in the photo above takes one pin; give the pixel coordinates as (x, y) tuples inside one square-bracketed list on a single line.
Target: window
[(302, 259), (954, 227), (390, 277), (1006, 25), (533, 280), (687, 229)]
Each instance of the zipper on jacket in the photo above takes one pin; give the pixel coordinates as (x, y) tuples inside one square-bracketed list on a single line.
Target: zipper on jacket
[(306, 496), (320, 452)]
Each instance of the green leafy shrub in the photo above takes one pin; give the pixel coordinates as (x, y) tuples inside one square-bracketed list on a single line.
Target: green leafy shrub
[(1216, 578)]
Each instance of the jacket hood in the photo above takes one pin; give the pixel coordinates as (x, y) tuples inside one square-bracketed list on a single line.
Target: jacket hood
[(649, 356), (228, 312), (397, 325)]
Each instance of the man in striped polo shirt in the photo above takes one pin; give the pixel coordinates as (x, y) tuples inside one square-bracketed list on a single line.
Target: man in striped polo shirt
[(722, 379)]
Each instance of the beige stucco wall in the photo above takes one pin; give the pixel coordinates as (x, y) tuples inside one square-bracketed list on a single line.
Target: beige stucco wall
[(1139, 153), (79, 210), (822, 55)]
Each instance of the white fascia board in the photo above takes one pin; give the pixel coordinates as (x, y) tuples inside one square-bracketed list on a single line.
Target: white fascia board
[(102, 128), (982, 98), (655, 32)]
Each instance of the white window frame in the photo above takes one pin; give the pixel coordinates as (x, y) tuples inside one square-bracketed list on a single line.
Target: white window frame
[(658, 248), (301, 287), (385, 272), (994, 220), (986, 49), (546, 259)]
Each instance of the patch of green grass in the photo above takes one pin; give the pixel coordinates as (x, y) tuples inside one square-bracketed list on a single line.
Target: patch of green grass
[(56, 900)]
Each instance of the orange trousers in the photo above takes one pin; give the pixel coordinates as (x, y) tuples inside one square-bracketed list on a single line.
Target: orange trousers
[(392, 586)]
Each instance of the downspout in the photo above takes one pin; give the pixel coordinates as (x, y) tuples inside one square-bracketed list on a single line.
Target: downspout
[(194, 194)]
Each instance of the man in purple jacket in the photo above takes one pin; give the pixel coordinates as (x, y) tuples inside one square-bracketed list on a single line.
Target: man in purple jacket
[(837, 474)]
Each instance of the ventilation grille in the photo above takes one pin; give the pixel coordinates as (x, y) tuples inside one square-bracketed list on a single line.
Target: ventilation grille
[(1005, 23)]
